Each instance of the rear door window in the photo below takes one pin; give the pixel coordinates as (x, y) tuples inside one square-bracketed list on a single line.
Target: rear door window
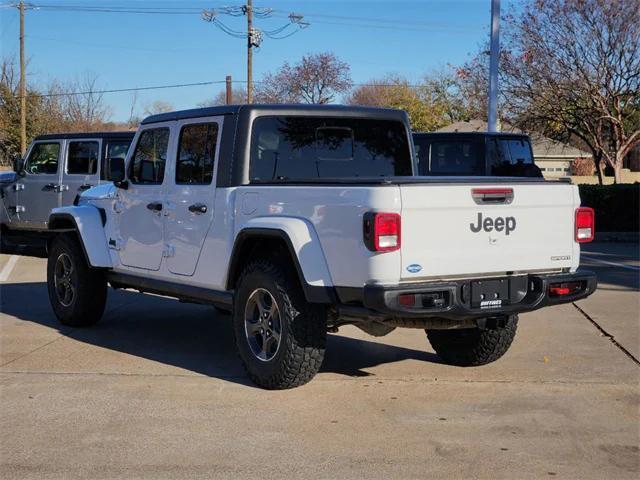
[(114, 149), (82, 157), (150, 157), (43, 158), (298, 147), (196, 154)]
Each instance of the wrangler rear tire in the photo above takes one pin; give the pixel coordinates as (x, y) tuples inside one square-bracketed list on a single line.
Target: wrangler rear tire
[(77, 292), (269, 305), (473, 346)]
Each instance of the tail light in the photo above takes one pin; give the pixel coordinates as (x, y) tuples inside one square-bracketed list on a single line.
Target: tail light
[(566, 288), (381, 231), (585, 224)]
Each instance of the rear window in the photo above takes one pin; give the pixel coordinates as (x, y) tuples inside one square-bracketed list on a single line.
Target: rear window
[(319, 147), (452, 157), (511, 157)]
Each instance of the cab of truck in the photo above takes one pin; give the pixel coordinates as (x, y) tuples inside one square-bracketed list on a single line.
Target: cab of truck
[(475, 154)]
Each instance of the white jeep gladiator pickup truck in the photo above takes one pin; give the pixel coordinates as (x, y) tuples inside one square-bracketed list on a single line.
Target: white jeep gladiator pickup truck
[(301, 219)]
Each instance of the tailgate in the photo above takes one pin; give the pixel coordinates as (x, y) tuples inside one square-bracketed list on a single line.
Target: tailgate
[(451, 230)]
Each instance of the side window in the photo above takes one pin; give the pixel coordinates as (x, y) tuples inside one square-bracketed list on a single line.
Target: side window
[(196, 154), (150, 157), (82, 158), (520, 151), (114, 149), (422, 147), (43, 158)]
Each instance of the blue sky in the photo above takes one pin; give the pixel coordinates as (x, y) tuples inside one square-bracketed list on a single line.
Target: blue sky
[(135, 50)]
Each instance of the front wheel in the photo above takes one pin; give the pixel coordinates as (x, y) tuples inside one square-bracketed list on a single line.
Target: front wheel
[(279, 336), (473, 346), (77, 292)]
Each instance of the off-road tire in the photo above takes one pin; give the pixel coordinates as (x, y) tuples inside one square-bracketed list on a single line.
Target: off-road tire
[(88, 302), (473, 346), (303, 328)]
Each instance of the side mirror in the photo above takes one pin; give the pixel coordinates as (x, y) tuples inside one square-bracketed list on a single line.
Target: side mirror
[(116, 172), (18, 165)]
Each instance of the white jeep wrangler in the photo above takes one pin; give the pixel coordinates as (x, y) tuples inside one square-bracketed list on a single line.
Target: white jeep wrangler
[(301, 219)]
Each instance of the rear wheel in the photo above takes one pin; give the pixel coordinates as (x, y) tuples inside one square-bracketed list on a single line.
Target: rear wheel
[(279, 336), (77, 292), (473, 346)]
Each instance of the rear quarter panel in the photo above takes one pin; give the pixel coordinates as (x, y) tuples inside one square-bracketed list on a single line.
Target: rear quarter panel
[(334, 213)]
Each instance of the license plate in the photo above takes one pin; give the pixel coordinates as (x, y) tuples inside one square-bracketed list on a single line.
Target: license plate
[(490, 293)]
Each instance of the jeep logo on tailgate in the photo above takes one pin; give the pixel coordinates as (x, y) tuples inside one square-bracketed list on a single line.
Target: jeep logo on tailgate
[(488, 224)]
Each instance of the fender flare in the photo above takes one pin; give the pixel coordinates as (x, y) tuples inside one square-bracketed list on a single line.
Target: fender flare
[(304, 248), (88, 222)]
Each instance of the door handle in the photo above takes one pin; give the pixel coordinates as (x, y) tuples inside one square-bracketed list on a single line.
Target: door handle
[(50, 186), (155, 206), (86, 186), (198, 208)]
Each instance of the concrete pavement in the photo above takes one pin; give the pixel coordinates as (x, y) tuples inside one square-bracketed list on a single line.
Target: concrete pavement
[(156, 391)]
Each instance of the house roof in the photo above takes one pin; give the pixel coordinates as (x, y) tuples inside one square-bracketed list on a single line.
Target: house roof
[(543, 147)]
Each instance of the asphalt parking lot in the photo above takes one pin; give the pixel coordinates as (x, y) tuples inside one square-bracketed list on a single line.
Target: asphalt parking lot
[(156, 391)]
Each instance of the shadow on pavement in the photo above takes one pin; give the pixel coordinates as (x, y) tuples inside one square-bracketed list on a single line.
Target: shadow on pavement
[(192, 337)]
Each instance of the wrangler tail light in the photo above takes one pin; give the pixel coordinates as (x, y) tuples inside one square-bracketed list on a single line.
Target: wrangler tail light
[(585, 224), (381, 231), (565, 288)]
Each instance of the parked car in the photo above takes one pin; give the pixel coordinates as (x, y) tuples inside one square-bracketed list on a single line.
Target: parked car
[(301, 219), (54, 171), (475, 154)]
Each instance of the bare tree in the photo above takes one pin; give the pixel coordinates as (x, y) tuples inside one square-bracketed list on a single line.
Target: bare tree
[(85, 109), (134, 118), (316, 78), (574, 66), (238, 97), (158, 106)]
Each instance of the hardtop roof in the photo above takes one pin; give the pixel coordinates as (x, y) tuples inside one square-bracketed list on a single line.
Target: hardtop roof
[(282, 109)]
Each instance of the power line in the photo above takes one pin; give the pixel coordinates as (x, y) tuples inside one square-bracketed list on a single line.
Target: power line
[(195, 84), (236, 11), (134, 89)]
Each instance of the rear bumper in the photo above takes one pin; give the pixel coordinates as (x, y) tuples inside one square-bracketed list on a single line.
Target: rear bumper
[(458, 300)]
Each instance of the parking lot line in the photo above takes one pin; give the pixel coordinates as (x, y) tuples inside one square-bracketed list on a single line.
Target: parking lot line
[(8, 268), (613, 264)]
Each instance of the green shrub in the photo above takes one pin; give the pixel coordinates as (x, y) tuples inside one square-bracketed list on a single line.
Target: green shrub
[(616, 206)]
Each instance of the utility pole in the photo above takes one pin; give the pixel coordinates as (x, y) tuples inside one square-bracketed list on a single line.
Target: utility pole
[(249, 51), (229, 96), (494, 63), (253, 35), (23, 90)]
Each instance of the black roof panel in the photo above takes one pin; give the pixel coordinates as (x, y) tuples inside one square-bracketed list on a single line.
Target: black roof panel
[(67, 136), (461, 134), (265, 108)]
